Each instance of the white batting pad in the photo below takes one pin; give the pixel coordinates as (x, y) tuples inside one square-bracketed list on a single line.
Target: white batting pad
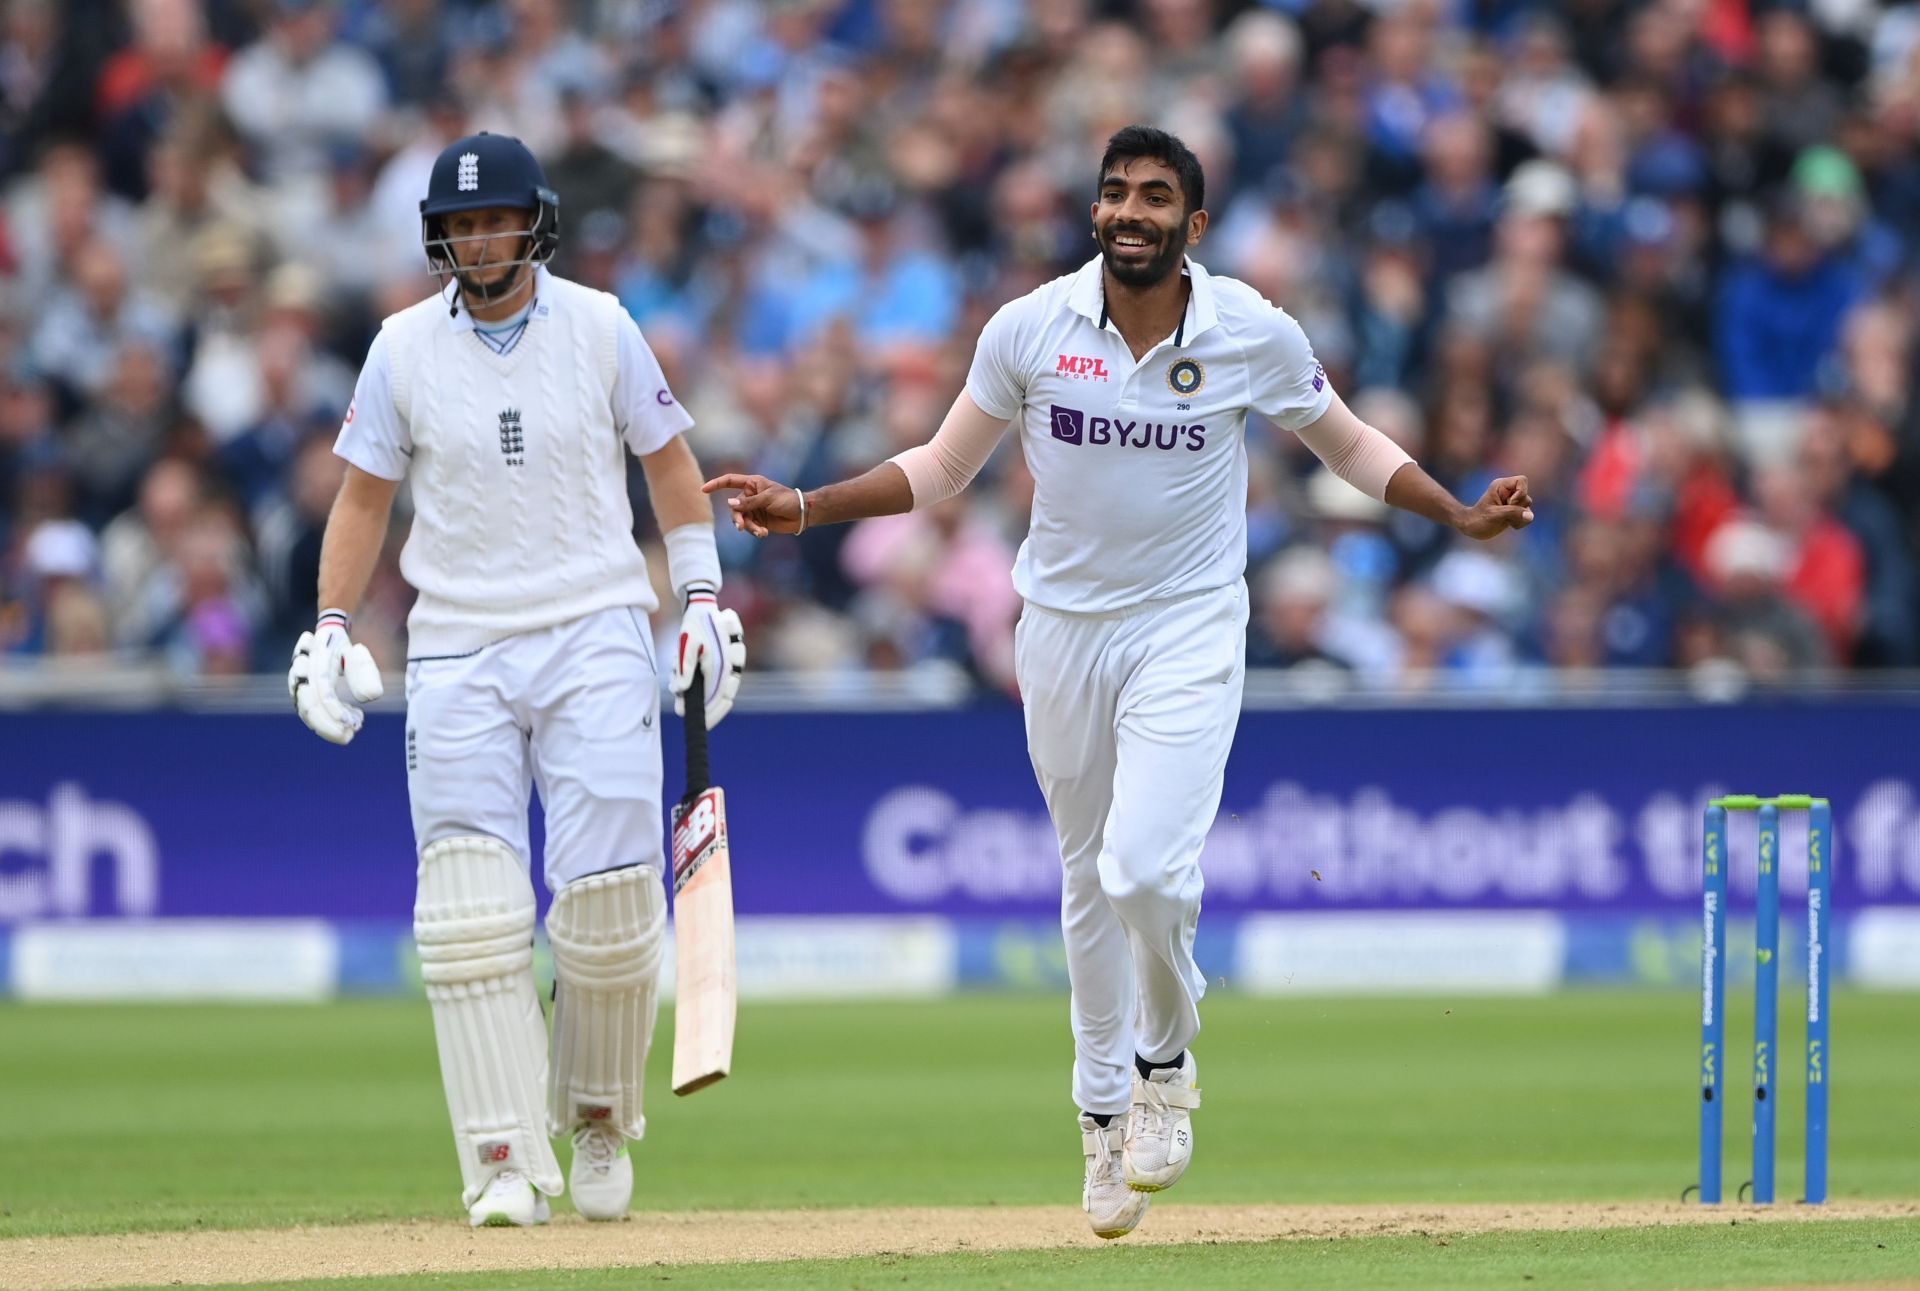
[(607, 932), (473, 922)]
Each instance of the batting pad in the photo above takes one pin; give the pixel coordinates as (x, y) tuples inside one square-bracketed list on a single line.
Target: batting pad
[(473, 922), (607, 932)]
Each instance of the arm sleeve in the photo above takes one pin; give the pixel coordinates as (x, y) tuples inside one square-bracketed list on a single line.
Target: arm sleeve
[(938, 470), (1356, 452), (374, 436), (997, 382), (1289, 386), (643, 407)]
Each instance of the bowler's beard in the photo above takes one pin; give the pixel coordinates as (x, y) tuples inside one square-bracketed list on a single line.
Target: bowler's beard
[(1164, 260)]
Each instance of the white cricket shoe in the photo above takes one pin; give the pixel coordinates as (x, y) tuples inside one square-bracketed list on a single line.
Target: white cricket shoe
[(509, 1201), (1160, 1130), (601, 1178), (1112, 1208)]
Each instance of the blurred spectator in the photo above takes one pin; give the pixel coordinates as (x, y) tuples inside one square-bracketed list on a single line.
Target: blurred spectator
[(28, 55), (29, 436), (110, 445), (1457, 203), (291, 529), (1888, 634), (299, 387), (346, 244), (1802, 108), (1825, 569), (1543, 94), (1293, 631), (1407, 94), (594, 178), (206, 605), (87, 323), (172, 65), (144, 540), (1780, 314), (196, 184), (412, 40), (1525, 303), (296, 91), (54, 214), (76, 622), (1268, 112), (1766, 633)]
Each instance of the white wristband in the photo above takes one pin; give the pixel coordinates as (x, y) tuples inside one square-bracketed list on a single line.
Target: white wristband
[(692, 558)]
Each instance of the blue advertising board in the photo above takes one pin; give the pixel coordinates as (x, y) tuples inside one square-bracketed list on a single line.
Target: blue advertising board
[(174, 814)]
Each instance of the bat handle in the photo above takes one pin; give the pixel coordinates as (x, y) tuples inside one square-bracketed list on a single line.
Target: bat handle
[(699, 774)]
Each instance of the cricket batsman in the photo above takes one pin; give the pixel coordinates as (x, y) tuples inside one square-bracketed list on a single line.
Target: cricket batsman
[(508, 402), (1131, 380)]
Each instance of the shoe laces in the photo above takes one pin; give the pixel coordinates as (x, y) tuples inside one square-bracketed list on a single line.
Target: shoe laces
[(1102, 1151), (1154, 1101), (505, 1179), (598, 1145), (1151, 1107)]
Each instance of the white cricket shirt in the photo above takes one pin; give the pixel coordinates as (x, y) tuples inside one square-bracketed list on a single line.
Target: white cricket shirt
[(516, 461), (1139, 469)]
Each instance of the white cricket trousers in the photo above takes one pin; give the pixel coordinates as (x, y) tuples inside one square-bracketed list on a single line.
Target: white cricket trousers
[(1129, 719), (573, 709)]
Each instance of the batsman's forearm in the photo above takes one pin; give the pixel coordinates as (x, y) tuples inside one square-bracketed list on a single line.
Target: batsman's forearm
[(673, 484), (1412, 489), (882, 491), (356, 531)]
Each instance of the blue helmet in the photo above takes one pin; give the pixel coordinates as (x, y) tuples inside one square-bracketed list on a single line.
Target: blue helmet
[(488, 170)]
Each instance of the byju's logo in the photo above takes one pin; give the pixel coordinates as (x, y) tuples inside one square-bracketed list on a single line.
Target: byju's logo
[(1072, 426)]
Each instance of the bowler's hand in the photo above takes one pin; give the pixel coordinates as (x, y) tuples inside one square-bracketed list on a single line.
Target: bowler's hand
[(763, 506), (1505, 505)]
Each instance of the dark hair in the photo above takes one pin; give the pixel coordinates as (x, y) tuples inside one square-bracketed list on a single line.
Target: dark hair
[(1135, 142)]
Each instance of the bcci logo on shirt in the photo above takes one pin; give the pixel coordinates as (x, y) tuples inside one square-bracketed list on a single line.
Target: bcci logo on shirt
[(1186, 377), (513, 445)]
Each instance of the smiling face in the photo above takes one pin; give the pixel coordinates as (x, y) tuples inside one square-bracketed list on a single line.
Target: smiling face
[(1142, 223)]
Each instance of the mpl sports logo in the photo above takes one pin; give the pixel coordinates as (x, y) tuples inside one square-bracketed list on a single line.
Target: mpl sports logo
[(1081, 368), (1072, 426)]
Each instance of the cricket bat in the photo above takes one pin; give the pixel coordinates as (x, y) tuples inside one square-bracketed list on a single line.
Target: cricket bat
[(706, 990)]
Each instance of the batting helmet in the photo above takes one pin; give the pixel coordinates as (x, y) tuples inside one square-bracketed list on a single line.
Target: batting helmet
[(488, 170)]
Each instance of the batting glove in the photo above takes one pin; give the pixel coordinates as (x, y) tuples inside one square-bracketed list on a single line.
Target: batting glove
[(330, 678), (710, 640)]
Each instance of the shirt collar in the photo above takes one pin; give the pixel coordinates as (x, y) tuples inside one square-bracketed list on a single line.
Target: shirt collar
[(1088, 298), (459, 320)]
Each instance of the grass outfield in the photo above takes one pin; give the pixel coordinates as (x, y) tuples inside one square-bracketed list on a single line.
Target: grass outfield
[(1615, 1260), (189, 1118), (174, 1117)]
